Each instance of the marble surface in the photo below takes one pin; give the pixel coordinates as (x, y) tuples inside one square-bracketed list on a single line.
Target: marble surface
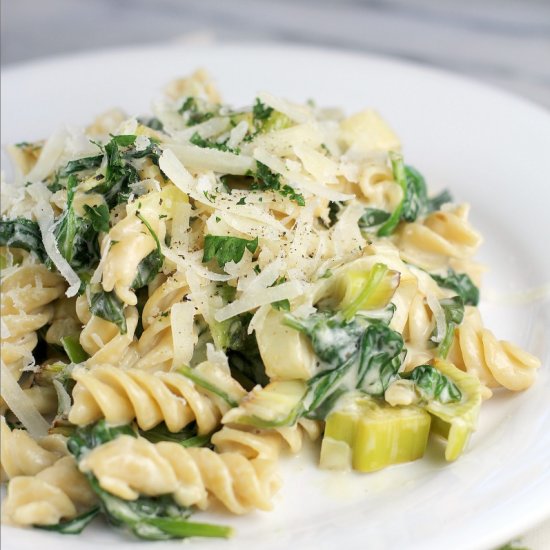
[(502, 42), (505, 43)]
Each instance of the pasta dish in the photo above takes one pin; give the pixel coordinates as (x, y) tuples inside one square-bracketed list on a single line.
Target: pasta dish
[(189, 296)]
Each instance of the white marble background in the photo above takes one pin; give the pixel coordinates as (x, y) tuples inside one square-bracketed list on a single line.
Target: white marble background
[(502, 42)]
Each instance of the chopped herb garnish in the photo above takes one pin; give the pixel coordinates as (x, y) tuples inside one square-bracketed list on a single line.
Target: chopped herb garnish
[(226, 249)]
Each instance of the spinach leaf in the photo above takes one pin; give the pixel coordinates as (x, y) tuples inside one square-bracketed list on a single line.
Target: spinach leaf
[(79, 165), (153, 518), (75, 236), (74, 526), (266, 180), (461, 284), (333, 339), (438, 201), (98, 216), (149, 267), (246, 364), (454, 314), (416, 197), (372, 218), (355, 355), (226, 249), (379, 359), (119, 174), (433, 384), (334, 208), (108, 306), (83, 440), (23, 233), (243, 353), (415, 201)]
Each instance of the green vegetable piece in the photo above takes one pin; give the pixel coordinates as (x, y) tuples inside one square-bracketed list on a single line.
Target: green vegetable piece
[(75, 236), (199, 141), (85, 439), (372, 217), (379, 359), (400, 177), (75, 352), (367, 290), (278, 404), (193, 109), (245, 360), (433, 384), (187, 437), (371, 350), (74, 526), (206, 381), (79, 165), (461, 284), (226, 249), (260, 111), (416, 197), (266, 180), (119, 174), (24, 234), (456, 420), (157, 518), (99, 216), (281, 305), (368, 435), (108, 306), (438, 201), (454, 314), (149, 267), (333, 339)]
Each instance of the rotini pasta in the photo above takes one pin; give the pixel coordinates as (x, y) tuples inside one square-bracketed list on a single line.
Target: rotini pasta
[(441, 238), (131, 466), (20, 455), (265, 444), (494, 362), (58, 492), (151, 398), (27, 294)]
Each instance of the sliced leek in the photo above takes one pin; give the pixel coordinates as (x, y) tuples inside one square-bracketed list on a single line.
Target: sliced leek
[(456, 421), (367, 434), (278, 404)]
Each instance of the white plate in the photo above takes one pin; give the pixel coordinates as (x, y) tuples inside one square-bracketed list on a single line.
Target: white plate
[(490, 149)]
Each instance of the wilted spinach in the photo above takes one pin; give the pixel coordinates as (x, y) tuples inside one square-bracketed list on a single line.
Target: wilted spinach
[(24, 234), (461, 284)]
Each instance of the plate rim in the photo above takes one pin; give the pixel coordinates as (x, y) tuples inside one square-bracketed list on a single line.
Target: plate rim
[(11, 71)]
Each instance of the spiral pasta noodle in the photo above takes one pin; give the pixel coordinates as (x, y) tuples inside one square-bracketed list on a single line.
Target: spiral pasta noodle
[(130, 241), (58, 492), (21, 455), (265, 444), (494, 362), (121, 396), (440, 238), (103, 341), (128, 467), (27, 294)]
